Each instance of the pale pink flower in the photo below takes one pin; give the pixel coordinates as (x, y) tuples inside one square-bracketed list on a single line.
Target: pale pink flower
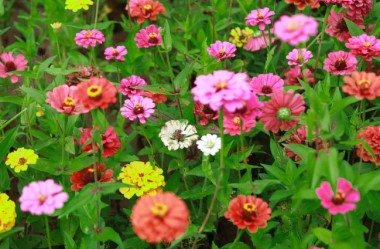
[(257, 41), (127, 85), (148, 37), (62, 99), (364, 45), (9, 63), (115, 53), (138, 107), (266, 84), (87, 38), (299, 56), (340, 63), (259, 17), (222, 50)]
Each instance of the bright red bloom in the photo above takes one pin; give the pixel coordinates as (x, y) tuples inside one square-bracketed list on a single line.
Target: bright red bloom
[(110, 140), (81, 178), (362, 85), (145, 9), (371, 135)]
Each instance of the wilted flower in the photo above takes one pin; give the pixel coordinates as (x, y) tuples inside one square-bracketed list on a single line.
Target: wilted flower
[(21, 158), (176, 134), (293, 75), (205, 113)]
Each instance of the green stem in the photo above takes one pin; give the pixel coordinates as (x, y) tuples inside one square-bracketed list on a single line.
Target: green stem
[(47, 227), (96, 13), (63, 148), (58, 48), (238, 236)]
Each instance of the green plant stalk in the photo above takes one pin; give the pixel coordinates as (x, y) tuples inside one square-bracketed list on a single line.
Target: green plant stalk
[(13, 118), (96, 13), (238, 236), (58, 48), (268, 47), (63, 148), (47, 227)]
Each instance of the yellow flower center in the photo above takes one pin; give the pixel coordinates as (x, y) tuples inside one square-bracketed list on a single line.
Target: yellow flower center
[(221, 85), (69, 101), (88, 34), (364, 83), (237, 120), (159, 209), (260, 15), (152, 35), (94, 91), (21, 161), (249, 207), (367, 44), (147, 7), (115, 52), (339, 197), (41, 198), (293, 25), (39, 113), (91, 170)]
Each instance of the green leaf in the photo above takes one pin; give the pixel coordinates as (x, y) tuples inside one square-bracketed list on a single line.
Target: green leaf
[(167, 37), (7, 142), (12, 99), (354, 29), (45, 64), (134, 243), (35, 94), (86, 195), (369, 181), (10, 232), (107, 234), (68, 240), (180, 81), (269, 58), (323, 234), (239, 245), (81, 162)]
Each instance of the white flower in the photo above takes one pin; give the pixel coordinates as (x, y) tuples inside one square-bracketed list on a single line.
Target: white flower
[(177, 134), (209, 144)]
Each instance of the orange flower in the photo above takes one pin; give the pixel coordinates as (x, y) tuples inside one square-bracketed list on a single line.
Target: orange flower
[(160, 218), (371, 135), (302, 3), (145, 9), (362, 85), (248, 212)]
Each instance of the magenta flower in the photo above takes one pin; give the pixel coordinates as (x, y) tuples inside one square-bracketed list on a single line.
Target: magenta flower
[(299, 56), (364, 45), (127, 85), (62, 99), (42, 197), (9, 64), (148, 37), (295, 29), (259, 17), (115, 53), (342, 201), (340, 63), (266, 84), (222, 50), (138, 107), (87, 38)]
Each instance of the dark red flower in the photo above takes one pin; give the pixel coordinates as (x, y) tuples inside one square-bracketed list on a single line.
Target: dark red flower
[(110, 140), (205, 113), (81, 178)]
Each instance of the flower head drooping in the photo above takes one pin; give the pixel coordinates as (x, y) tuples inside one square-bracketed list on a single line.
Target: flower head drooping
[(176, 134), (365, 46), (110, 141), (7, 213), (295, 29), (222, 50), (85, 176), (138, 107), (301, 4), (338, 27), (147, 180), (340, 63), (115, 53), (62, 100), (362, 85), (165, 211), (209, 144), (76, 5), (342, 201), (145, 9), (9, 63), (266, 84), (259, 40), (371, 135), (42, 197), (248, 212), (298, 57), (259, 17), (20, 159), (127, 85), (240, 37), (204, 113), (87, 38), (294, 75), (148, 37)]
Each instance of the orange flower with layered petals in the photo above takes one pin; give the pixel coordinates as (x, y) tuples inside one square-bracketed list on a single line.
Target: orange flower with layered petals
[(362, 85), (145, 9)]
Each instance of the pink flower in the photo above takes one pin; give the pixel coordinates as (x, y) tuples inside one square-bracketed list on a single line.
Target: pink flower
[(358, 9), (281, 111), (266, 84), (115, 53), (342, 201), (9, 64), (62, 99), (127, 85), (87, 38), (295, 29), (110, 141), (340, 63), (338, 27), (257, 41), (293, 75), (42, 197), (365, 46), (138, 107), (299, 56), (222, 50), (222, 89), (259, 17), (148, 37)]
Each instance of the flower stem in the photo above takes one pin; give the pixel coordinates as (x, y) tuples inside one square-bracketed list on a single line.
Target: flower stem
[(96, 13), (58, 48), (47, 227), (238, 236)]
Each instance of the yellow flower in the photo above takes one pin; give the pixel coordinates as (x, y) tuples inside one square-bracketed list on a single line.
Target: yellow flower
[(240, 37), (76, 5), (20, 159), (40, 113), (7, 213), (56, 25), (146, 179)]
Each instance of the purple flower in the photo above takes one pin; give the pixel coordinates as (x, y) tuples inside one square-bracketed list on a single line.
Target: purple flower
[(259, 17), (222, 50)]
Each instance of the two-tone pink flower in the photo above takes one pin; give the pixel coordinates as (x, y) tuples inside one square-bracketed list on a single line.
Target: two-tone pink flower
[(222, 50), (117, 53), (86, 38)]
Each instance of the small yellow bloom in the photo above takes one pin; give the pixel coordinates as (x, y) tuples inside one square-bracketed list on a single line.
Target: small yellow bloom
[(20, 159), (76, 5), (147, 181), (7, 213), (40, 113), (240, 37), (56, 25)]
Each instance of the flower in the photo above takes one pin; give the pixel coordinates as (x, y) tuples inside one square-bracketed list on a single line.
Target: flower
[(240, 37), (314, 247), (266, 84), (20, 159), (9, 63), (204, 113), (371, 135), (148, 37), (209, 144), (160, 218), (62, 100), (147, 180), (281, 111), (259, 40), (299, 56), (295, 29), (259, 17), (7, 213), (56, 25), (248, 212), (97, 92), (110, 141), (342, 201), (364, 45), (76, 5), (222, 88), (358, 9), (84, 73), (340, 63), (42, 197), (176, 134), (138, 107), (87, 38), (85, 176), (115, 53), (156, 97), (297, 137), (145, 9), (127, 85), (338, 27), (362, 85), (293, 75), (221, 50), (302, 3)]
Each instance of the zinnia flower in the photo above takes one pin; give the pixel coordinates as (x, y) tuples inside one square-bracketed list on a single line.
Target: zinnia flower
[(338, 27), (209, 144), (85, 176), (342, 201), (371, 135), (266, 84), (204, 113), (340, 63), (145, 9), (259, 40), (62, 100), (362, 85), (7, 213), (259, 17), (222, 50), (127, 85), (115, 53), (299, 56), (76, 5), (148, 37), (9, 63), (301, 4), (147, 180), (248, 212), (20, 159), (293, 75), (87, 38), (84, 73), (138, 107), (240, 37), (297, 137), (295, 29), (358, 9), (156, 97), (160, 218), (364, 45), (42, 197), (177, 134)]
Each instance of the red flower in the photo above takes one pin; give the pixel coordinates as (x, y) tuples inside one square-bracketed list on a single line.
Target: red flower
[(110, 140), (81, 178), (371, 135), (156, 97), (145, 9), (301, 4), (205, 113)]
